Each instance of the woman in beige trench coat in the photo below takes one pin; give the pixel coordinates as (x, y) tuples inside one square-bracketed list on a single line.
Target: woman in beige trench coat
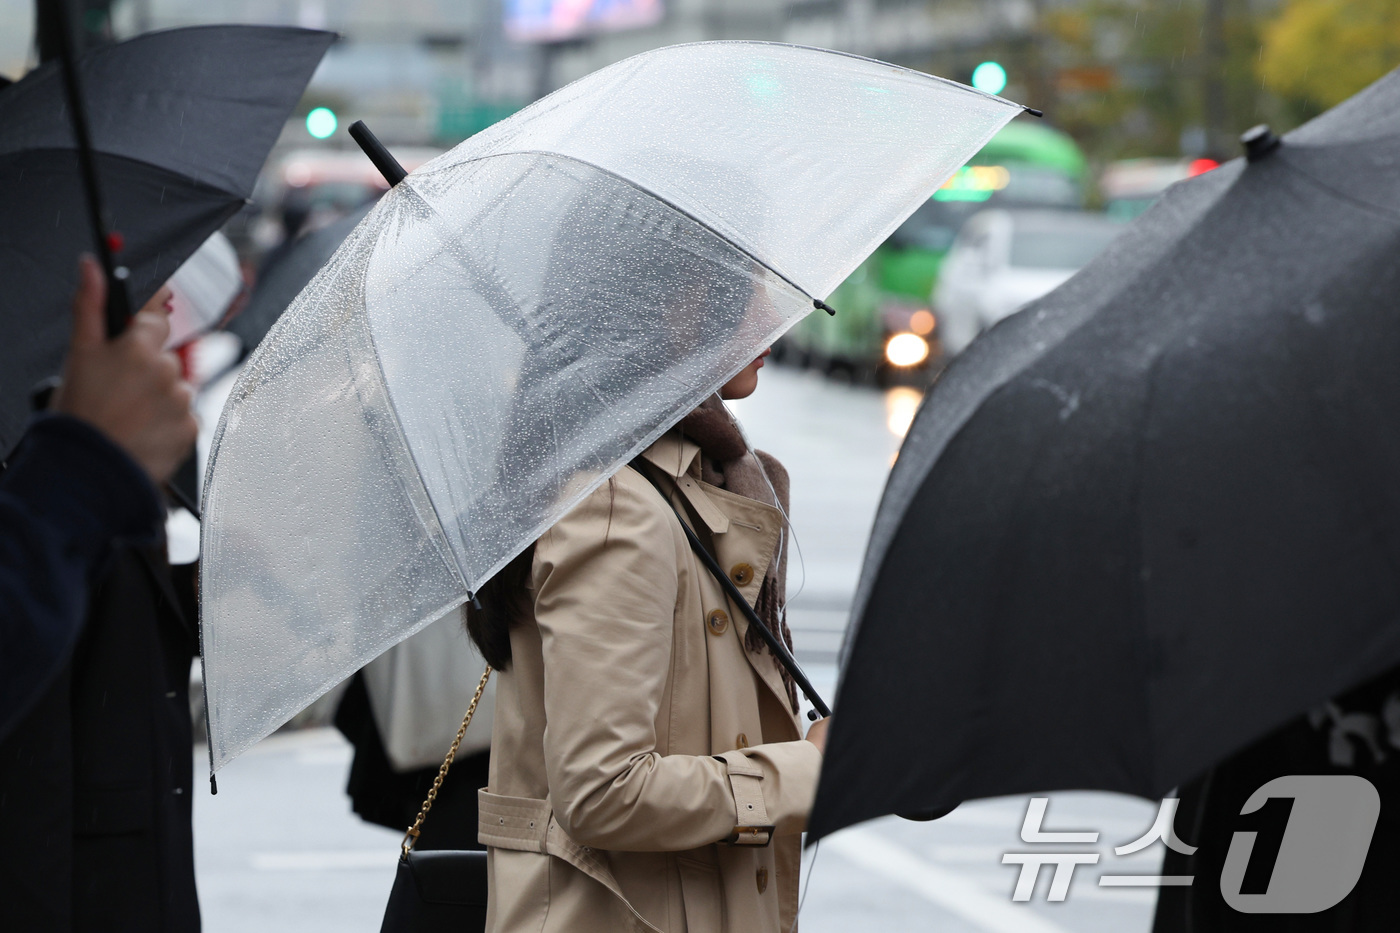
[(648, 770)]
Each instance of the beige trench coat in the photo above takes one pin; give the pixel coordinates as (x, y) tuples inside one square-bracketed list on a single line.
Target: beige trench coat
[(634, 733)]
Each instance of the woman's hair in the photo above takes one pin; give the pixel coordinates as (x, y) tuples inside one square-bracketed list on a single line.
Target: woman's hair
[(505, 600)]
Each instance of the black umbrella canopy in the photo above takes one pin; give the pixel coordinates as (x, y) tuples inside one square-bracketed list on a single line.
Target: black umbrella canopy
[(286, 274), (181, 122), (1155, 514)]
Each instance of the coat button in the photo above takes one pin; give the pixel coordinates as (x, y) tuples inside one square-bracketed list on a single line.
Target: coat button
[(718, 621), (741, 574), (762, 879), (741, 741)]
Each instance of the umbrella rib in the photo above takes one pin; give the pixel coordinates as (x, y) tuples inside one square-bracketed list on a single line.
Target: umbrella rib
[(408, 186), (1342, 195), (710, 228), (500, 289), (176, 174), (1138, 579), (489, 284), (440, 541)]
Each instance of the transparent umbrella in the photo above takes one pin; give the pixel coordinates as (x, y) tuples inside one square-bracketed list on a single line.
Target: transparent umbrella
[(520, 317)]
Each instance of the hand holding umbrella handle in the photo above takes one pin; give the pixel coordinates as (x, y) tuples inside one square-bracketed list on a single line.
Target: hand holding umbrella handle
[(128, 388)]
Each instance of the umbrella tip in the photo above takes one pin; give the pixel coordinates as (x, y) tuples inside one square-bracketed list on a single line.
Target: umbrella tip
[(1033, 112), (1259, 141), (213, 786), (823, 306), (388, 166)]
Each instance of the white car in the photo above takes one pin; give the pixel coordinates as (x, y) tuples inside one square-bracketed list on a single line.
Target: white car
[(1003, 260)]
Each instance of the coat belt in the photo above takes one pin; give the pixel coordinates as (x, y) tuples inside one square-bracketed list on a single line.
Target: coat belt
[(527, 824)]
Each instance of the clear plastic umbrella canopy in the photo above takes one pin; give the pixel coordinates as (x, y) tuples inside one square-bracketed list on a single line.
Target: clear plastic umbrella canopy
[(519, 318)]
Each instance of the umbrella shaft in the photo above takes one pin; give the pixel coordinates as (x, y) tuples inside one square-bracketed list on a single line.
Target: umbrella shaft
[(118, 308), (184, 501), (775, 644)]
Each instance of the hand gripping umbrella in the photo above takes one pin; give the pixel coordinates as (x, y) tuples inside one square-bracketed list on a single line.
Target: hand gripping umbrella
[(179, 125), (1155, 514), (517, 319)]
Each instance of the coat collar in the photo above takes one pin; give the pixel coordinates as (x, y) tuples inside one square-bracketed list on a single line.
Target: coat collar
[(679, 459), (674, 455)]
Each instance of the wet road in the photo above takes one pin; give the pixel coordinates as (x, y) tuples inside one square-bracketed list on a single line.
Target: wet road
[(278, 849)]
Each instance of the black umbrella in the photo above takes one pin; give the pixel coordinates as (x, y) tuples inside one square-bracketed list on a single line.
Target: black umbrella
[(180, 121), (1155, 514), (285, 274)]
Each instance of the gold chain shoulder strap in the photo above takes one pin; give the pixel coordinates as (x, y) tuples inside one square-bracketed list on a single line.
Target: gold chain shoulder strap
[(411, 836)]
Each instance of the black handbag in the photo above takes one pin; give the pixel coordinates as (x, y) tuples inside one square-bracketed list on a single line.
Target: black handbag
[(441, 889), (438, 890)]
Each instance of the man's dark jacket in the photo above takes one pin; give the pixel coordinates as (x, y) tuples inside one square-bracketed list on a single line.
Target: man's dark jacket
[(67, 495), (95, 778), (1211, 814)]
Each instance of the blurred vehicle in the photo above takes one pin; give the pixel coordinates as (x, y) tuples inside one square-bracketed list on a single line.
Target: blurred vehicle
[(883, 326), (1130, 186), (1005, 259)]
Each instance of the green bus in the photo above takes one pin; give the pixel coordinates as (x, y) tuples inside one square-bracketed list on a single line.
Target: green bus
[(883, 327)]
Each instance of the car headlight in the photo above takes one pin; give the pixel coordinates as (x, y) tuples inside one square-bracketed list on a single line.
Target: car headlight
[(905, 350)]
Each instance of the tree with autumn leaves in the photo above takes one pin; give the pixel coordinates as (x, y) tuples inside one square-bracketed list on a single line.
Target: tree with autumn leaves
[(1317, 53), (1136, 78), (1139, 78)]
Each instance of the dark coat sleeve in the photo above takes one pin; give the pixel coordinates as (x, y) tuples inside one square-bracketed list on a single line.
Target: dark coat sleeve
[(68, 494)]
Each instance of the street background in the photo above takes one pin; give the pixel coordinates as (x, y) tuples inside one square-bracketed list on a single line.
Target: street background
[(1137, 95), (1124, 77)]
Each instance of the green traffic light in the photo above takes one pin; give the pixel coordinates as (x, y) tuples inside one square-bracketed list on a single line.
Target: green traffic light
[(989, 77), (321, 122)]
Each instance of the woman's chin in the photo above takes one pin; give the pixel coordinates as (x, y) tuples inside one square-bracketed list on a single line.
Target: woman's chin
[(741, 386)]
